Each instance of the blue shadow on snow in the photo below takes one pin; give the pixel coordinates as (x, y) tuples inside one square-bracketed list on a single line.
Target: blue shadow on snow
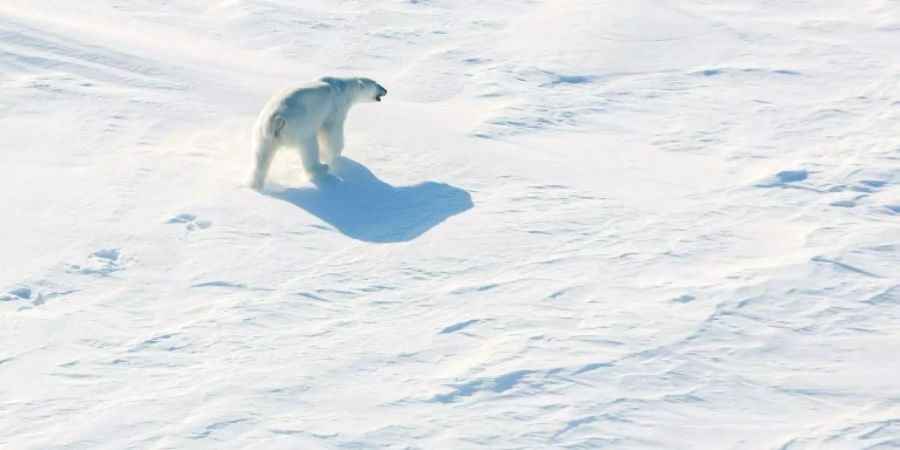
[(355, 202)]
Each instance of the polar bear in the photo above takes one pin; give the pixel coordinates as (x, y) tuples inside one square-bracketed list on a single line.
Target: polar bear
[(307, 118)]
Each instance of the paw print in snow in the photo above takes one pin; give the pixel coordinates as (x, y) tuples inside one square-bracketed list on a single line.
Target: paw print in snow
[(191, 222)]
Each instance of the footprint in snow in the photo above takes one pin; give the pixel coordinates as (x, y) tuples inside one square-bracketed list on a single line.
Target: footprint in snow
[(848, 203), (191, 221), (34, 296), (865, 187), (21, 293), (101, 263), (784, 178)]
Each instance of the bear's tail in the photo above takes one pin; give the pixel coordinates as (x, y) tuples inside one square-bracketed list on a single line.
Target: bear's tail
[(272, 128)]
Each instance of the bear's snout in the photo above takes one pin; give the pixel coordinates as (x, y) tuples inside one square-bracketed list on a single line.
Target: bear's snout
[(380, 92)]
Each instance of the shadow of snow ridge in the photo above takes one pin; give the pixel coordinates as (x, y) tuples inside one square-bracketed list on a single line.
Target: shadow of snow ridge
[(361, 206)]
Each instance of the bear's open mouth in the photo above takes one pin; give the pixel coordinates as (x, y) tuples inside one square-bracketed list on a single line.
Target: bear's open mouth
[(378, 97)]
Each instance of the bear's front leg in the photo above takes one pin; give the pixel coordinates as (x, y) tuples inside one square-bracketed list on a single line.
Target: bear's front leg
[(309, 154), (331, 139)]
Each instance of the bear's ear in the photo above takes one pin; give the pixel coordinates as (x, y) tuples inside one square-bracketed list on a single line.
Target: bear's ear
[(360, 84)]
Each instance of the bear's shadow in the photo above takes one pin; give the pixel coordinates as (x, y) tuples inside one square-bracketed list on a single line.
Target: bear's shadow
[(359, 205)]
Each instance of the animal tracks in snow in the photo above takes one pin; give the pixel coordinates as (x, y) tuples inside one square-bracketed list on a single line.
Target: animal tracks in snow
[(35, 294), (101, 263), (190, 221), (857, 189), (785, 178), (20, 293)]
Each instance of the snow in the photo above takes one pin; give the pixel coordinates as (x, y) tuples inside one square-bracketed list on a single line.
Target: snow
[(570, 224)]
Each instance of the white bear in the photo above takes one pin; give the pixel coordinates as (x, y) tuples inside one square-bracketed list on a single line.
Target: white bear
[(308, 118)]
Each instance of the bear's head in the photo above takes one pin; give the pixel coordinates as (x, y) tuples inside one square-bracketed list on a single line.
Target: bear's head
[(369, 91)]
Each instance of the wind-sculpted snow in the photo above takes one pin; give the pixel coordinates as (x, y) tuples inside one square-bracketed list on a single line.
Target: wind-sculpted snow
[(572, 224)]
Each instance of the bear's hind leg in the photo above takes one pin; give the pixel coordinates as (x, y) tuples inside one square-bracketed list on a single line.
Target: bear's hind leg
[(263, 152)]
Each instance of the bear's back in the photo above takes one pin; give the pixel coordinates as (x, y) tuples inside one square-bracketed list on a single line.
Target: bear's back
[(309, 99)]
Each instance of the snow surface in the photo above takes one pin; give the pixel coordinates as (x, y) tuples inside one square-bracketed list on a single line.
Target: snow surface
[(571, 224)]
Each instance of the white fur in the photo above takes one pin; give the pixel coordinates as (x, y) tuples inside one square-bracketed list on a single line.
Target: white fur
[(308, 118)]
